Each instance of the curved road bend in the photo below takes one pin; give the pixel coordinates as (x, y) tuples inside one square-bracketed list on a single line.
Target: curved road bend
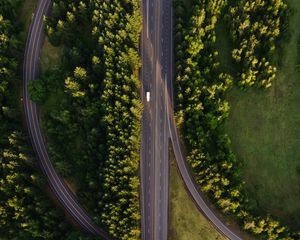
[(192, 186), (157, 77), (30, 72)]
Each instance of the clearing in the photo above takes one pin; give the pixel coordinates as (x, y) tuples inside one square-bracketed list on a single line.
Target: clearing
[(264, 126), (185, 220)]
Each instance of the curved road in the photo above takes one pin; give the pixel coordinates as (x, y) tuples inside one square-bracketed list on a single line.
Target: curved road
[(158, 126), (30, 72), (159, 112), (192, 185)]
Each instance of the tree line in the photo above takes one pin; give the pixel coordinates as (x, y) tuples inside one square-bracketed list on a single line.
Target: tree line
[(255, 27), (201, 108), (94, 128), (26, 212)]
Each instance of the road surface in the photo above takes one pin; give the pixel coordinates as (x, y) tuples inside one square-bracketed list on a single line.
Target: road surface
[(158, 126), (30, 72), (155, 139)]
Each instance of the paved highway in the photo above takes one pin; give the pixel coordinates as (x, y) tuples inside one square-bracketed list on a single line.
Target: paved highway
[(30, 72), (158, 126), (156, 47), (155, 139)]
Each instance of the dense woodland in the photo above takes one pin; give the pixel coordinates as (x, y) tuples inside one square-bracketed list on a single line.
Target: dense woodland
[(92, 110), (93, 124), (201, 87), (26, 211), (254, 28)]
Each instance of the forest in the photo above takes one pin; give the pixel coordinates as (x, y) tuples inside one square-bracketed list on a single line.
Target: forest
[(201, 86), (92, 110), (254, 28), (25, 209)]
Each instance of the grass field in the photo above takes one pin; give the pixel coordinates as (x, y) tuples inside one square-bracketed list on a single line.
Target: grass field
[(185, 221), (50, 55), (50, 58), (264, 127), (23, 18), (27, 11)]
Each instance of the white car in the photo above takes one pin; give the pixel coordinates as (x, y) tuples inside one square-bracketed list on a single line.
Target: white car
[(148, 96)]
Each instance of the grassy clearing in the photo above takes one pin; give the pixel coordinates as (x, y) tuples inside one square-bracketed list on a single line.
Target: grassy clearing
[(50, 55), (185, 220), (264, 127), (27, 13), (224, 47), (24, 18)]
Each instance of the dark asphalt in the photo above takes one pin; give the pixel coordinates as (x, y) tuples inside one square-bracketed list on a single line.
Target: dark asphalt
[(156, 68)]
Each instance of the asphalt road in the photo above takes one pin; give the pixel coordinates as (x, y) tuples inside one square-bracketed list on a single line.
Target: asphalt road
[(30, 72), (154, 147), (191, 185), (158, 126)]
